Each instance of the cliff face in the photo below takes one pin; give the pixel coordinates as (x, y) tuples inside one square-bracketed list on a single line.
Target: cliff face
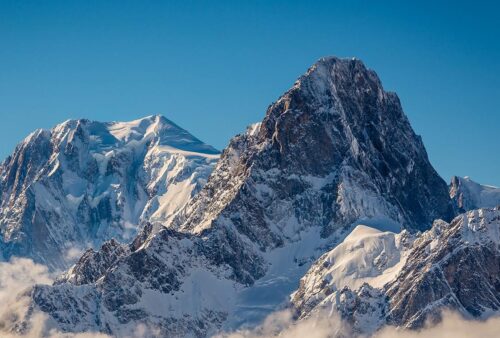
[(456, 266), (333, 149)]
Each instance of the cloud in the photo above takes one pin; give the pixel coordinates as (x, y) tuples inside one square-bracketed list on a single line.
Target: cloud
[(73, 253), (16, 277), (281, 324), (145, 331), (453, 325)]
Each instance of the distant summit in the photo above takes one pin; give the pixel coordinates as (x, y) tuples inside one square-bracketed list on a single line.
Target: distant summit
[(157, 126), (84, 182)]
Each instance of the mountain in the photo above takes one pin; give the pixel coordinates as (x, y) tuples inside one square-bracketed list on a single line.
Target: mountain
[(453, 266), (337, 144), (334, 150), (84, 182), (468, 195)]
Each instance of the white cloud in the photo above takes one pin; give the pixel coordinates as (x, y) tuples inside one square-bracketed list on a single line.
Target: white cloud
[(145, 331), (73, 253), (280, 324), (16, 277), (453, 325)]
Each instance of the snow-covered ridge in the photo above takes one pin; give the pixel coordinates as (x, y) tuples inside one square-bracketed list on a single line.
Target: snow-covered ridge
[(169, 134), (367, 256), (157, 127), (452, 266), (468, 195), (84, 182)]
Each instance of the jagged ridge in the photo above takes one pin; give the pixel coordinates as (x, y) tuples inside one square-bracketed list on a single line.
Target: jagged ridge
[(453, 266)]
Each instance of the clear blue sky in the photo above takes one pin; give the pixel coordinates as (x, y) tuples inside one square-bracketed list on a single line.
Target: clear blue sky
[(213, 67)]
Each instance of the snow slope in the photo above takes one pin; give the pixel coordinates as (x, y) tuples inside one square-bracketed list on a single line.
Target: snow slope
[(469, 195), (367, 255), (367, 259)]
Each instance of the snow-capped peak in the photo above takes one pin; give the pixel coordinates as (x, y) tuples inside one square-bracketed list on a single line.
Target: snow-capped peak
[(136, 129), (84, 182), (366, 256), (468, 195), (169, 133)]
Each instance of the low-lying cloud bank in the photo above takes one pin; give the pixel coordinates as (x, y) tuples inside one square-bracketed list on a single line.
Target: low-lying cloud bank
[(452, 326), (16, 278), (18, 275), (280, 324)]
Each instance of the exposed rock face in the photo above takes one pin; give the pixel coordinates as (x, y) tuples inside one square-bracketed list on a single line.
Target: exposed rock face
[(84, 182), (172, 284), (452, 266), (364, 309), (468, 195), (455, 266), (334, 149)]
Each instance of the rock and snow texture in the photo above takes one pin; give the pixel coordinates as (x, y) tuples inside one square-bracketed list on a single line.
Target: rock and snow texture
[(84, 182), (453, 266), (367, 255), (333, 150), (468, 195)]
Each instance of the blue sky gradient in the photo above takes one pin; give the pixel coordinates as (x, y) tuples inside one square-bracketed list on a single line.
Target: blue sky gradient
[(213, 67)]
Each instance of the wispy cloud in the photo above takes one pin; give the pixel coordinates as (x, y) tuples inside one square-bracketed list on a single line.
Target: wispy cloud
[(323, 325), (453, 325), (281, 324), (73, 253), (16, 277)]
